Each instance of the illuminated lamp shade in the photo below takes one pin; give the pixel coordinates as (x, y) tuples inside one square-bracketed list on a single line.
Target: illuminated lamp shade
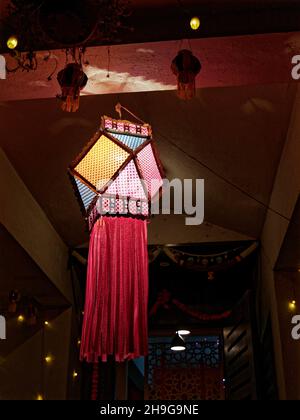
[(186, 67), (178, 343), (183, 332), (72, 81), (116, 177)]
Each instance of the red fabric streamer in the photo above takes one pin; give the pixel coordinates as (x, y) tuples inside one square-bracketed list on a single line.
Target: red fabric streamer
[(115, 317), (95, 382), (200, 316)]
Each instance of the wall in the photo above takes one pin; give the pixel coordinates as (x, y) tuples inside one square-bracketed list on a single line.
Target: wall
[(21, 374), (26, 222), (284, 197), (287, 289), (24, 374), (171, 229)]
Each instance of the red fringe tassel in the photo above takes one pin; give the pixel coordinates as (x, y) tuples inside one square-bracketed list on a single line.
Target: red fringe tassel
[(115, 317)]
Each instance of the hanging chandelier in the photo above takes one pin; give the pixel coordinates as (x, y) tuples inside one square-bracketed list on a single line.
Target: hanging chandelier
[(50, 24), (115, 179)]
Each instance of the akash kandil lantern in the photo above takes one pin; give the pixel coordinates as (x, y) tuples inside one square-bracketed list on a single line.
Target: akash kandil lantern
[(116, 177)]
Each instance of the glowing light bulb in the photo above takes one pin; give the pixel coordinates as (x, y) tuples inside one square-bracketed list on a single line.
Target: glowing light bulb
[(21, 319), (195, 23), (79, 342), (46, 323), (292, 305), (75, 374), (12, 42), (39, 397), (48, 359)]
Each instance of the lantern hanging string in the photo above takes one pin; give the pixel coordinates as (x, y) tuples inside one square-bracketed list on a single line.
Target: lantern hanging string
[(174, 143), (119, 108), (108, 62), (182, 44)]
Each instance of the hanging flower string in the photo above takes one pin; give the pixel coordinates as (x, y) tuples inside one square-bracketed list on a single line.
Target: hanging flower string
[(165, 301), (200, 315), (200, 262)]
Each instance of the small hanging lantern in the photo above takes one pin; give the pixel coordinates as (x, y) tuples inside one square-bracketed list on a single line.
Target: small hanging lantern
[(31, 315), (72, 80), (186, 67), (14, 298)]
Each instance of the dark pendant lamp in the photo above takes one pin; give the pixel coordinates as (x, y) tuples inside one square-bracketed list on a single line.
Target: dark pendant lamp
[(72, 80), (178, 343), (186, 67)]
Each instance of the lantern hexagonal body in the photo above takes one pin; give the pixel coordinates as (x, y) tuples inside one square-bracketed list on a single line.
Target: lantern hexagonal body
[(118, 170)]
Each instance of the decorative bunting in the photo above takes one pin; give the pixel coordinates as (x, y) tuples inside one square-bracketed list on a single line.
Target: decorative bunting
[(199, 262), (165, 301)]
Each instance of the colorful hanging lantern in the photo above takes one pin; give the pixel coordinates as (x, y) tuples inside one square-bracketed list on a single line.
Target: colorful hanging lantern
[(72, 80), (115, 178), (186, 67)]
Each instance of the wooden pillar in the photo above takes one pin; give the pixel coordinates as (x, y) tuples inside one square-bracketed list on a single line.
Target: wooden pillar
[(121, 381)]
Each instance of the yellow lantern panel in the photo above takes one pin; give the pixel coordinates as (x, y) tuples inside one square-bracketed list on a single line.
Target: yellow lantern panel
[(102, 162)]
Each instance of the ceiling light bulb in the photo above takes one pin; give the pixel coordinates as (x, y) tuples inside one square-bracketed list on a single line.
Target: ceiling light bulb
[(195, 23), (12, 42), (21, 318), (292, 305), (48, 359)]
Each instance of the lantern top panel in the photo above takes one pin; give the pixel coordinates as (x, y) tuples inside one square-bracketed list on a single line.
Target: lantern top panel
[(126, 127)]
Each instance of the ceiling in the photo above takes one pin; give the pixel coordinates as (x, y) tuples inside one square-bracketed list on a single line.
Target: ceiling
[(237, 132), (230, 61), (231, 134), (157, 20), (221, 294), (18, 271)]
